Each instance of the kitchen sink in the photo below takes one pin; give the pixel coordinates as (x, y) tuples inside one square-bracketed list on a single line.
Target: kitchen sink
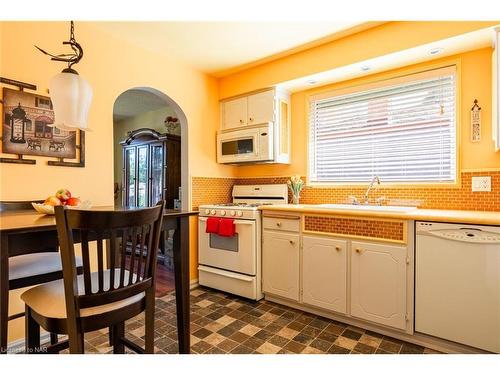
[(362, 207)]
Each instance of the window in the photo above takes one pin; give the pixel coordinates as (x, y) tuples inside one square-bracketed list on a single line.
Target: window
[(402, 130)]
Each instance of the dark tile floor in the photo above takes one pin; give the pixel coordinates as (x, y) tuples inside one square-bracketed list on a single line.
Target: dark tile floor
[(222, 323)]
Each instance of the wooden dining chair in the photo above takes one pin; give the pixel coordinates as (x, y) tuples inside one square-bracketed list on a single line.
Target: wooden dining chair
[(104, 298), (40, 265)]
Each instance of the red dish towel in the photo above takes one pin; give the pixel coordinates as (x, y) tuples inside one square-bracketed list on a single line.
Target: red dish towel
[(212, 225), (226, 228)]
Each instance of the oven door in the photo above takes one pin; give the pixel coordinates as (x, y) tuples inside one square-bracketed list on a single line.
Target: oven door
[(237, 253)]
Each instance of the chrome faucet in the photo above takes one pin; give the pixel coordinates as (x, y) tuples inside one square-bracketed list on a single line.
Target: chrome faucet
[(374, 179)]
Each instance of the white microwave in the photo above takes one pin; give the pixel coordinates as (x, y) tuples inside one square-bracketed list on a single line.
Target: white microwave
[(246, 145)]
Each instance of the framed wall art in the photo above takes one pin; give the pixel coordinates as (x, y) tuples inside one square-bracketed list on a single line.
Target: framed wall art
[(27, 129)]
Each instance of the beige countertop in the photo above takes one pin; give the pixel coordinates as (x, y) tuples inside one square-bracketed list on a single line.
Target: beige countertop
[(449, 216)]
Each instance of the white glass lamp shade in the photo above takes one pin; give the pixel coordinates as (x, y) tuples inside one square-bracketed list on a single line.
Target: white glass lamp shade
[(71, 96)]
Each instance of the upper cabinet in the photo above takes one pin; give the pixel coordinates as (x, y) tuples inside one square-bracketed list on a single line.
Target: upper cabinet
[(496, 90), (234, 113), (261, 107), (251, 110)]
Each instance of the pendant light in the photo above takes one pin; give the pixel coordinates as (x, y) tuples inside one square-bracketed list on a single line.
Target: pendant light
[(71, 95)]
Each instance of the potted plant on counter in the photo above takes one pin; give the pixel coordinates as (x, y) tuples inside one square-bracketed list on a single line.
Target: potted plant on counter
[(296, 185)]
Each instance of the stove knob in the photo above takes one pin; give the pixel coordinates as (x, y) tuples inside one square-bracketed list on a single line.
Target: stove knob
[(232, 213), (239, 213), (223, 213), (207, 211), (212, 212)]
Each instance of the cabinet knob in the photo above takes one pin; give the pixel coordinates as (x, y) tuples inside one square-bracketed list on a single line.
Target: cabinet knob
[(251, 118), (337, 248), (241, 121), (292, 242), (278, 224), (358, 251)]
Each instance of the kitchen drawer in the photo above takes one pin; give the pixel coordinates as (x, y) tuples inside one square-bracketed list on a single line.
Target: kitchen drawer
[(290, 224)]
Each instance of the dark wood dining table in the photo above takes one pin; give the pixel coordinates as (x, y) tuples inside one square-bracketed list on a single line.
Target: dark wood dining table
[(26, 231)]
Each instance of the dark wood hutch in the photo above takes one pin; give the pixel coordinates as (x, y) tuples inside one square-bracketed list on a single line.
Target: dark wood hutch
[(151, 168)]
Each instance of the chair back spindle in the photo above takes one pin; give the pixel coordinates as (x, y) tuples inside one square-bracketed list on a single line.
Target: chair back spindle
[(118, 275)]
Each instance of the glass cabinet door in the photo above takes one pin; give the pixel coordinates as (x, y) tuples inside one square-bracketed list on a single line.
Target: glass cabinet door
[(130, 179), (142, 176), (156, 173)]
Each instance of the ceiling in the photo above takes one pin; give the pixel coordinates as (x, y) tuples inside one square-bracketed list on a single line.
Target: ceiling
[(134, 102), (220, 48)]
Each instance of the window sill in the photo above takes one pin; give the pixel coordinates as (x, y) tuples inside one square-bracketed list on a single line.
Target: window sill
[(415, 185)]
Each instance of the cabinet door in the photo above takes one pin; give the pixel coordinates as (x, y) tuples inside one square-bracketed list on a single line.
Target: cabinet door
[(142, 176), (324, 276), (378, 283), (235, 113), (261, 107), (129, 177), (157, 173), (280, 264)]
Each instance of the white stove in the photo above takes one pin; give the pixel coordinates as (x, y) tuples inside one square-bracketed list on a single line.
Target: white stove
[(233, 264)]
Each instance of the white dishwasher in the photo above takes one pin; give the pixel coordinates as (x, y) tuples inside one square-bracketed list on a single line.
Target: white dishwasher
[(457, 283)]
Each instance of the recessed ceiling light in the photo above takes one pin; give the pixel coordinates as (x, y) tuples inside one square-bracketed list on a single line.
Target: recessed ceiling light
[(436, 51), (365, 68)]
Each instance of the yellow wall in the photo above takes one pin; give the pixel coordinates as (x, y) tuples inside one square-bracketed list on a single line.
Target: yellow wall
[(475, 84), (112, 66), (380, 40)]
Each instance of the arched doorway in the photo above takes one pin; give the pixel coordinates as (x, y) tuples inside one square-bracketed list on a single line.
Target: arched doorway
[(150, 160)]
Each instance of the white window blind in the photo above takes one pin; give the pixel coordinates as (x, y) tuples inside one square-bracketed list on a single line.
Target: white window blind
[(402, 130)]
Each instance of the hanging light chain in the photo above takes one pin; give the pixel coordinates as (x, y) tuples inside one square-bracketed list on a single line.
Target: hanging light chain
[(73, 58), (72, 42)]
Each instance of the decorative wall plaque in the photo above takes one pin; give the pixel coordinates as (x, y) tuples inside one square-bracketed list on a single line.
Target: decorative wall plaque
[(475, 122)]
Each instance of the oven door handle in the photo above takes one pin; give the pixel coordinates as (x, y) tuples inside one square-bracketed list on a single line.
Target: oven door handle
[(232, 275), (237, 222)]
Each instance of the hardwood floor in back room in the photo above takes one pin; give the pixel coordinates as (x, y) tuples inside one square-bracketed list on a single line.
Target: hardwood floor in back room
[(165, 281)]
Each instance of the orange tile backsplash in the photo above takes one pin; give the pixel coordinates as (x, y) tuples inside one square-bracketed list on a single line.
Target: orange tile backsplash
[(210, 190), (386, 229), (218, 190)]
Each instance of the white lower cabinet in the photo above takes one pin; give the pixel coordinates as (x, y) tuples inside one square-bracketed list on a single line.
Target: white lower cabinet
[(280, 264), (324, 273), (378, 283)]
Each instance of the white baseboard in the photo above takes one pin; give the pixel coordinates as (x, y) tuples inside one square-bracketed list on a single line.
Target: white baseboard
[(193, 284)]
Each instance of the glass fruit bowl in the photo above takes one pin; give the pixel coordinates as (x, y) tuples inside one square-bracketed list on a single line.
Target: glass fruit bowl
[(47, 209)]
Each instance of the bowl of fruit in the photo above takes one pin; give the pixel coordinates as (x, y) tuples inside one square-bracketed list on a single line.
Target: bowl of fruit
[(62, 197)]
